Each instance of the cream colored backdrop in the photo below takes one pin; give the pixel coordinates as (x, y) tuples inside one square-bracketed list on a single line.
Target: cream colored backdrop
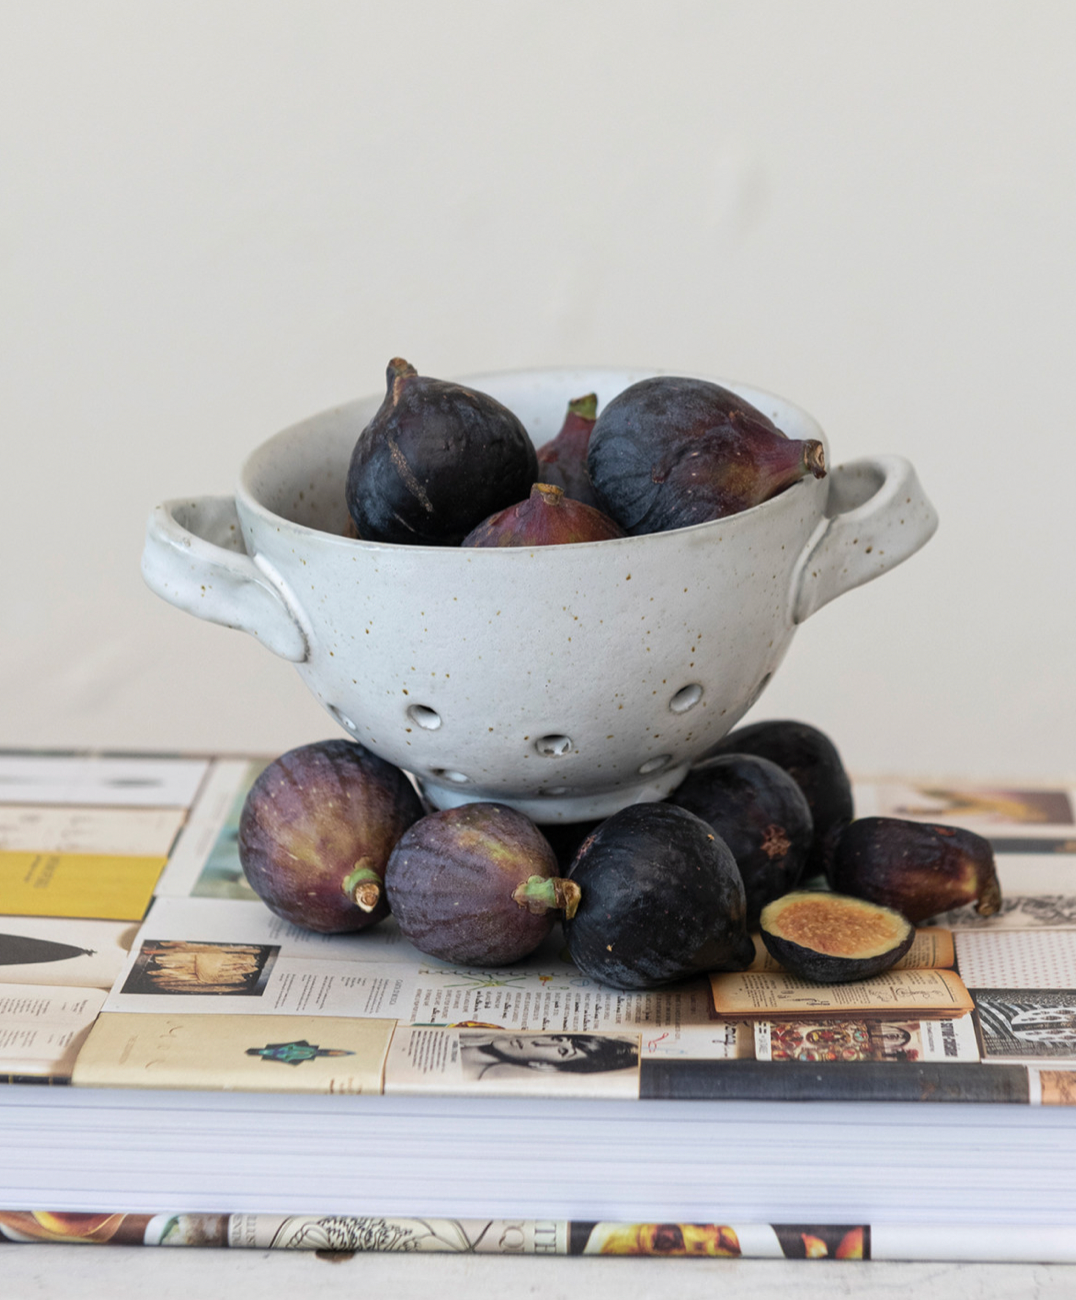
[(218, 218)]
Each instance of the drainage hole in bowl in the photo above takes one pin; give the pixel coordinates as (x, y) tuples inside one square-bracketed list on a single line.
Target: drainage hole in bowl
[(686, 698), (553, 746), (423, 716), (449, 774), (655, 764), (342, 718)]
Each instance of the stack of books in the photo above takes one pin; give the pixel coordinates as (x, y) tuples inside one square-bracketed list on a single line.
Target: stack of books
[(235, 1081)]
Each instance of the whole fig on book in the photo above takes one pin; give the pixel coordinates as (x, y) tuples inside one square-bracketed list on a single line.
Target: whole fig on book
[(546, 518), (562, 460), (477, 885), (317, 829), (668, 452), (435, 460), (760, 813), (811, 759), (662, 900), (918, 868)]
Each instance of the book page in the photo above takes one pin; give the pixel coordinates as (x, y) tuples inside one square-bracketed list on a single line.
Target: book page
[(925, 992), (51, 950), (66, 828), (128, 781), (90, 885), (42, 1028)]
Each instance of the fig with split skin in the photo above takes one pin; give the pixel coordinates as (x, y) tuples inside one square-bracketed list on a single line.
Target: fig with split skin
[(662, 900), (668, 452), (760, 813), (562, 460), (546, 518), (316, 831), (811, 759), (435, 460), (919, 868), (477, 885), (831, 938)]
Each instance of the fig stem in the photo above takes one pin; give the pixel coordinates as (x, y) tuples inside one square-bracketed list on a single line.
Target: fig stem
[(547, 492), (586, 408), (363, 886), (542, 893), (989, 900), (814, 458)]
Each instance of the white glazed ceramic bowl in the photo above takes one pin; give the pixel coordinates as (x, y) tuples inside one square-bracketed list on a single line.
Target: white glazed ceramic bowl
[(568, 681)]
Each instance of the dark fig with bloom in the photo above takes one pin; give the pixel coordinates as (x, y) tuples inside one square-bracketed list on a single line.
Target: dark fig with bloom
[(435, 460), (477, 885), (546, 518), (811, 759), (668, 452), (918, 868), (562, 460), (317, 829), (760, 813), (662, 900)]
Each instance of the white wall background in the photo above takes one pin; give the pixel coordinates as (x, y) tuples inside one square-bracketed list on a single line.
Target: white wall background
[(218, 218)]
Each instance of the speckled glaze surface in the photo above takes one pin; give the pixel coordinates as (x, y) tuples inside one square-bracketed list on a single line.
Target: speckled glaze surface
[(568, 681)]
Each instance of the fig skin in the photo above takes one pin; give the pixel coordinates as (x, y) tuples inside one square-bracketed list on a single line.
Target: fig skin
[(435, 460), (562, 460), (662, 900), (547, 518), (811, 759), (838, 938), (668, 452), (316, 831), (760, 813), (476, 885), (917, 868)]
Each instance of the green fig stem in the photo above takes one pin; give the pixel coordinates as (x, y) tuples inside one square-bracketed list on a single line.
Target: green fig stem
[(544, 893), (989, 900), (547, 492), (586, 408), (814, 458), (363, 886)]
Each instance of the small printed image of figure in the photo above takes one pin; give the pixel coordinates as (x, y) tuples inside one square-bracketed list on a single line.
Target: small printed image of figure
[(1027, 1023), (183, 967), (978, 807), (706, 1239), (295, 1053), (485, 1056), (844, 1040)]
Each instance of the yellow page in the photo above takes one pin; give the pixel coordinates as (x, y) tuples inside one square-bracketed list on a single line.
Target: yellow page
[(761, 993), (235, 1053), (90, 885)]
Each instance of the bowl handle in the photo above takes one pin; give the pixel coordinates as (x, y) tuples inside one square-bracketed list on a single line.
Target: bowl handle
[(195, 559), (877, 515)]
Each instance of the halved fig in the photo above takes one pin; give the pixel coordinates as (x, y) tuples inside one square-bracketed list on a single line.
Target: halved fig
[(831, 938)]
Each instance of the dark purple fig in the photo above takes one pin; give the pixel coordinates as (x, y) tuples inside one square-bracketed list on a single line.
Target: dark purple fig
[(546, 518), (477, 885), (812, 761), (831, 938), (316, 831), (562, 461), (662, 900), (915, 867), (760, 813), (669, 452), (435, 460)]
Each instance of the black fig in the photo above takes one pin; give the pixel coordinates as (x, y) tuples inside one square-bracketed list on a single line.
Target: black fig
[(668, 452), (831, 939), (760, 813), (435, 460), (812, 761), (316, 831), (477, 885), (917, 868), (546, 518), (662, 900), (562, 460)]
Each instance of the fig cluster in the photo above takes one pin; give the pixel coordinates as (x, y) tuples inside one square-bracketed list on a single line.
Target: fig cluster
[(442, 464), (761, 835)]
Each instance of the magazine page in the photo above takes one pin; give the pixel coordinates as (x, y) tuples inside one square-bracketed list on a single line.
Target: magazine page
[(999, 810), (92, 885), (71, 828), (249, 1053), (75, 953), (125, 781), (42, 1028), (211, 831)]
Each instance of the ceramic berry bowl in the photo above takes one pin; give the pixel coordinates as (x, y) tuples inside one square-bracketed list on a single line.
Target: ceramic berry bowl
[(567, 681)]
